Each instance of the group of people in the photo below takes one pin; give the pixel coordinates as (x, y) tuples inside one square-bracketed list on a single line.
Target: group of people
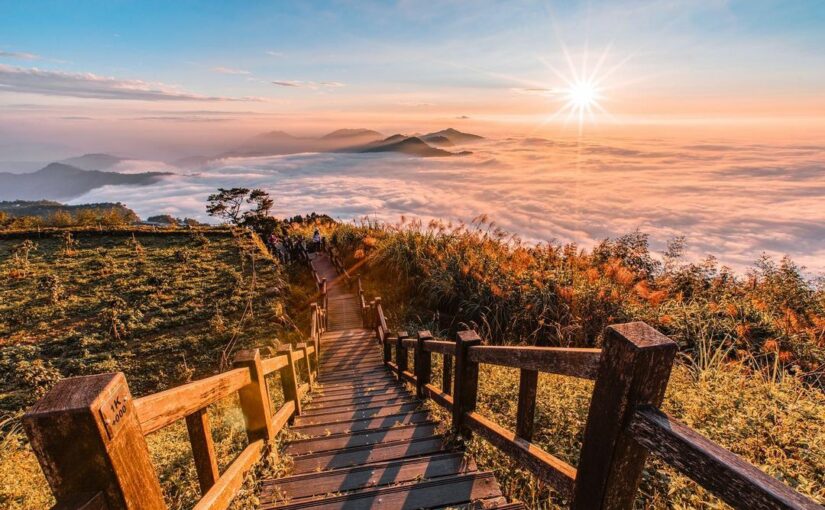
[(287, 248)]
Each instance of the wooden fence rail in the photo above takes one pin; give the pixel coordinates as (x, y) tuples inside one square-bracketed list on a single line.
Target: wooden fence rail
[(89, 433), (624, 422)]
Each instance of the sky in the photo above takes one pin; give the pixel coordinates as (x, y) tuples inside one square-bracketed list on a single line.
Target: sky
[(170, 79)]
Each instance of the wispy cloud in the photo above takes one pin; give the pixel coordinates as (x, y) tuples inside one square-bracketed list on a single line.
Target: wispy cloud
[(88, 85), (314, 85), (275, 53), (229, 70), (19, 55)]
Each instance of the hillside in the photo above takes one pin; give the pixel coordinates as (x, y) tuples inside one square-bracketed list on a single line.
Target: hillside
[(411, 146), (58, 181), (162, 308), (45, 208), (96, 161)]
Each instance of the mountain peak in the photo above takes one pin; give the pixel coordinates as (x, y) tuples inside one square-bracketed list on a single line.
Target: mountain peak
[(349, 133)]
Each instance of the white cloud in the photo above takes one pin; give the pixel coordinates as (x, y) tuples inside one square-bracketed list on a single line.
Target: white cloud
[(731, 200), (229, 70), (275, 54), (19, 55), (88, 85), (314, 85)]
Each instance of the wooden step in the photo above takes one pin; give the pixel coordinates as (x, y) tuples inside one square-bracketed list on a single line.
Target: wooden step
[(330, 391), (357, 407), (350, 396), (362, 438), (325, 429), (440, 492), (369, 475), (366, 454), (362, 414), (363, 399)]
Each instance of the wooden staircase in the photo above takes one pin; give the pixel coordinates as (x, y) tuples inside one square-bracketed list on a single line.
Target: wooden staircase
[(368, 441)]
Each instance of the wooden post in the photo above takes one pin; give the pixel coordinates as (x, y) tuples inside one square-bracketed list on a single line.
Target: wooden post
[(315, 331), (401, 354), (466, 380), (447, 374), (387, 349), (423, 364), (634, 370), (525, 415), (255, 401), (203, 449), (289, 379), (303, 347), (87, 438)]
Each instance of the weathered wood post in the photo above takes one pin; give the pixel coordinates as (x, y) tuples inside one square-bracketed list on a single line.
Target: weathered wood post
[(203, 449), (303, 347), (387, 348), (465, 391), (315, 331), (289, 379), (526, 411), (401, 354), (87, 438), (634, 370), (423, 364), (254, 397), (447, 374)]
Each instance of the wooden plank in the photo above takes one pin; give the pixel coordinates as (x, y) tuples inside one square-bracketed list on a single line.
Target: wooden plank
[(222, 493), (372, 475), (283, 415), (289, 379), (360, 438), (634, 370), (551, 470), (356, 407), (526, 410), (364, 424), (394, 389), (718, 470), (582, 363), (440, 346), (423, 363), (367, 454), (354, 391), (87, 438), (203, 449), (442, 398), (374, 412), (161, 409), (359, 401), (444, 491), (270, 365)]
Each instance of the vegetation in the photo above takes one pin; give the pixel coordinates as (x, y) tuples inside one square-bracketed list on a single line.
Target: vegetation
[(26, 215), (753, 346), (163, 308)]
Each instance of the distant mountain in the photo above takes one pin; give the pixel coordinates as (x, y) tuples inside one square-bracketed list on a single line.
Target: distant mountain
[(453, 135), (412, 146), (439, 141), (60, 181), (191, 162), (46, 208), (353, 133), (93, 161)]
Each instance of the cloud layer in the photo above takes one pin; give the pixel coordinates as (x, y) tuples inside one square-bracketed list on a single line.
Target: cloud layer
[(734, 201), (88, 85)]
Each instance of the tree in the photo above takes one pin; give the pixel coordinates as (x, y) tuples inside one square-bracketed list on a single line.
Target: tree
[(227, 203)]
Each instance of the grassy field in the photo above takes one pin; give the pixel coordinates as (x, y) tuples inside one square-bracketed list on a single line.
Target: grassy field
[(748, 375), (164, 308)]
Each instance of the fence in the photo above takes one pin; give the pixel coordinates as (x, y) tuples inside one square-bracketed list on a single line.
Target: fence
[(624, 423)]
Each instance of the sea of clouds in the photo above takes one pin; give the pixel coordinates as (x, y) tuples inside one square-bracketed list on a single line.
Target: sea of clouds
[(731, 200)]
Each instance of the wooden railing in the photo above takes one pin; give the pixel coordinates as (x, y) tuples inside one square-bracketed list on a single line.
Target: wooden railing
[(89, 433), (624, 421)]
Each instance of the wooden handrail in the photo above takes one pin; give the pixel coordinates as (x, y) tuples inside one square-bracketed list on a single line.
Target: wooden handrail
[(582, 363), (624, 422), (161, 409)]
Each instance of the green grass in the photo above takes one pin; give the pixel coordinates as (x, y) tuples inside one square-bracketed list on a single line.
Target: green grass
[(165, 309)]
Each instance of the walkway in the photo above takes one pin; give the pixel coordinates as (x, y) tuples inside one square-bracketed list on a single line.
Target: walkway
[(367, 442)]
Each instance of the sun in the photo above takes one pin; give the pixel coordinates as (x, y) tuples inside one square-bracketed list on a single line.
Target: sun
[(583, 96)]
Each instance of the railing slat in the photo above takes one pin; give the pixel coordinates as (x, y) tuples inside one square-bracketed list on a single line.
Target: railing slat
[(546, 467), (582, 363), (161, 409), (203, 449), (221, 494), (440, 346), (722, 472), (526, 410), (275, 363)]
